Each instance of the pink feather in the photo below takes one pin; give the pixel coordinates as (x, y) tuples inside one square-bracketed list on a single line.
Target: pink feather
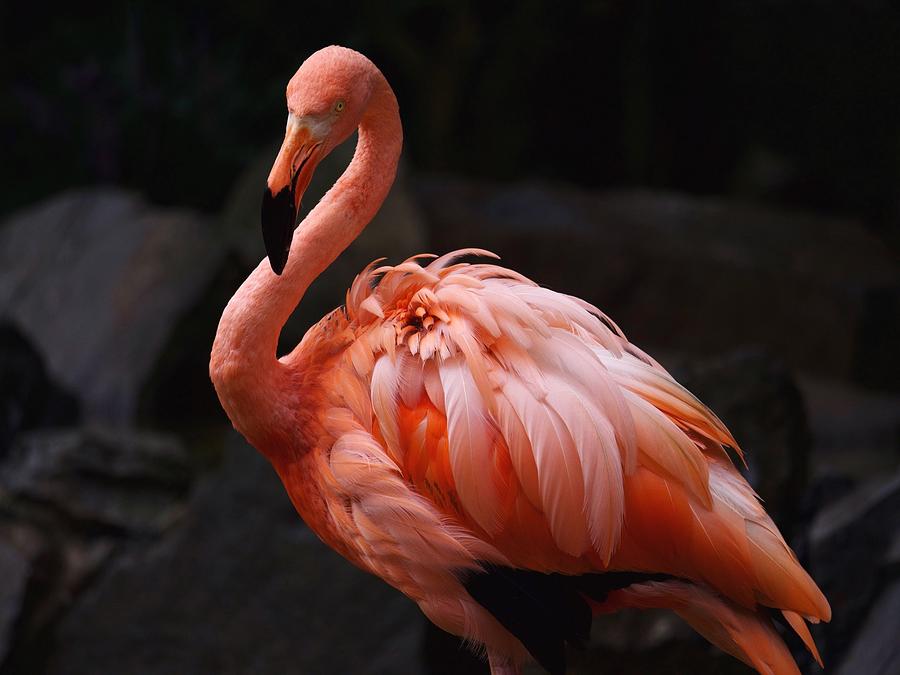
[(471, 441)]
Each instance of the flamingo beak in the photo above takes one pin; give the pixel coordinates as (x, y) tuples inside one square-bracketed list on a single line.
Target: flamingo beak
[(288, 180)]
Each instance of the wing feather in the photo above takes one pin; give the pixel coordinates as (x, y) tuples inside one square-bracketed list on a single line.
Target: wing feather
[(601, 466), (559, 470), (667, 450), (471, 439), (657, 386), (384, 403), (520, 452), (570, 356)]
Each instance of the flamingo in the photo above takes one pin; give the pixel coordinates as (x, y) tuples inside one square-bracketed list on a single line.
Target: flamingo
[(497, 451)]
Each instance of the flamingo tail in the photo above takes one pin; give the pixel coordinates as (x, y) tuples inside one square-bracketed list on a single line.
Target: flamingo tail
[(746, 634)]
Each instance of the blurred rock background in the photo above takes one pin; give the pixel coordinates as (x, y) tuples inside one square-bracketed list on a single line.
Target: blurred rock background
[(722, 179)]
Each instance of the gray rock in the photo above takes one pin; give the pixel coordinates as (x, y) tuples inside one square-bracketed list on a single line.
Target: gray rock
[(850, 544), (693, 275), (29, 398), (874, 506), (877, 649), (96, 278), (892, 556), (123, 482), (242, 586), (60, 562), (856, 432), (14, 572), (69, 501)]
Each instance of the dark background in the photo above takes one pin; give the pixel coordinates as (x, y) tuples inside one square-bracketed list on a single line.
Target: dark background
[(720, 177)]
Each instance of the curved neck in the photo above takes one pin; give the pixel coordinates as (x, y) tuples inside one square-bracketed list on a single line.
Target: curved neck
[(244, 361), (341, 214)]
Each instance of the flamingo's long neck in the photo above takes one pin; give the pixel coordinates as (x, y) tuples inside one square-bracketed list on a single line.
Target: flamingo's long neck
[(251, 382)]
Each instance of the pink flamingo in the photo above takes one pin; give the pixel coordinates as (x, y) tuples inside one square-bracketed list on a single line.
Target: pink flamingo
[(498, 452)]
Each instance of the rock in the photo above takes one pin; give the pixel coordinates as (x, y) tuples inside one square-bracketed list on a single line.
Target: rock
[(874, 506), (892, 557), (689, 274), (96, 278), (850, 547), (121, 482), (856, 432), (241, 586), (69, 500), (14, 570), (60, 562), (29, 398), (877, 649)]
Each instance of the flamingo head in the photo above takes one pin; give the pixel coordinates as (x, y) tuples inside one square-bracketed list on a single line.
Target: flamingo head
[(326, 100)]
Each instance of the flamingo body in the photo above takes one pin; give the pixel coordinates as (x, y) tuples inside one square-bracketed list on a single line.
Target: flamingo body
[(475, 439)]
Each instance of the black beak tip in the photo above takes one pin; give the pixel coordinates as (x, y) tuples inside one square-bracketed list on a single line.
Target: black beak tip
[(278, 217)]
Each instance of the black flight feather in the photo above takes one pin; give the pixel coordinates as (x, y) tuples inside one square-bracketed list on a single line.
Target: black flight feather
[(546, 611)]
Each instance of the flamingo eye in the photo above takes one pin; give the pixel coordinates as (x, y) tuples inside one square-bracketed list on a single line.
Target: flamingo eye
[(339, 106)]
